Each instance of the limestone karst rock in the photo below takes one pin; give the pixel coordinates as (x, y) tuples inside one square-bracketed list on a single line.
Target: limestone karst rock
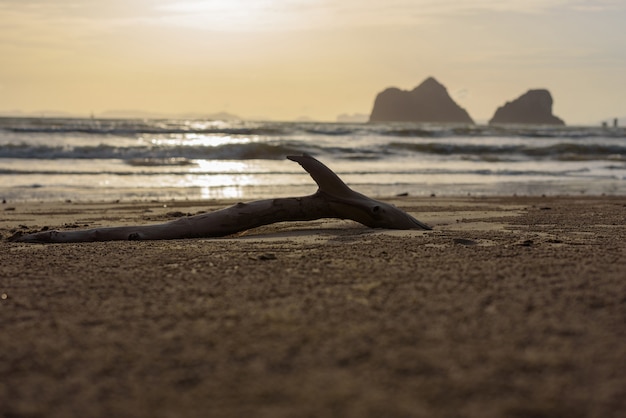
[(533, 107), (428, 102)]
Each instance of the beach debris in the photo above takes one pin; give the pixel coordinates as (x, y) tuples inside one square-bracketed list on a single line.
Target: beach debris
[(15, 236), (267, 256), (333, 199), (464, 241), (71, 225), (555, 241)]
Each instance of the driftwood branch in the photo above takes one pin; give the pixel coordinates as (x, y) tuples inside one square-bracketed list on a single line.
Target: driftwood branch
[(333, 199)]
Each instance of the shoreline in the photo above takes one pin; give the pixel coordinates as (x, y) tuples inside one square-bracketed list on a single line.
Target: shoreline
[(612, 188), (511, 306)]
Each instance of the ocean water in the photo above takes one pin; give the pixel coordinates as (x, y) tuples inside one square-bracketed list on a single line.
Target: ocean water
[(45, 159)]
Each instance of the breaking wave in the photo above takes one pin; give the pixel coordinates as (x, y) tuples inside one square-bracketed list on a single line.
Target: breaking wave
[(135, 127), (152, 155)]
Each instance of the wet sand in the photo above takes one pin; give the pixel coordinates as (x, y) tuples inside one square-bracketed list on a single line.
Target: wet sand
[(510, 307)]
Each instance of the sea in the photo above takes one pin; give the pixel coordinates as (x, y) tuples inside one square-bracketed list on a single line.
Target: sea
[(90, 159)]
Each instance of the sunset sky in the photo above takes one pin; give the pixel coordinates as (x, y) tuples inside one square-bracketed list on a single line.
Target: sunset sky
[(283, 59)]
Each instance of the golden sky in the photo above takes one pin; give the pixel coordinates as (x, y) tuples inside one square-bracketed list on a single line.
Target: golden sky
[(283, 59)]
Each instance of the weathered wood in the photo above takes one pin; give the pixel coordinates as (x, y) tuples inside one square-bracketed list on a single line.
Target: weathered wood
[(333, 199)]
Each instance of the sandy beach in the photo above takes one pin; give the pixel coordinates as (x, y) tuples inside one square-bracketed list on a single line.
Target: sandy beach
[(509, 307)]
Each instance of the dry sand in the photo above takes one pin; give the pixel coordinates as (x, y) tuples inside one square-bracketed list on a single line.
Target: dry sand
[(510, 307)]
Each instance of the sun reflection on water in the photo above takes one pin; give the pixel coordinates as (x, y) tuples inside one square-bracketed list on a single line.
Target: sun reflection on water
[(194, 139), (233, 192), (223, 179), (222, 166)]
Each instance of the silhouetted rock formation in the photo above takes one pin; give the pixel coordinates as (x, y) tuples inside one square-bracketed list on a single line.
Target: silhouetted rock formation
[(428, 102), (533, 107)]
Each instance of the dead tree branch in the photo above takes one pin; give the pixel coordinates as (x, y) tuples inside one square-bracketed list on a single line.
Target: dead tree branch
[(333, 199)]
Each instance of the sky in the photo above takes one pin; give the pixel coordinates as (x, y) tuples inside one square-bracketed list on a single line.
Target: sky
[(286, 59)]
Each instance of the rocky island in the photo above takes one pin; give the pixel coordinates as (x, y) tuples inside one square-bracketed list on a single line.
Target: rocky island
[(428, 102), (533, 107)]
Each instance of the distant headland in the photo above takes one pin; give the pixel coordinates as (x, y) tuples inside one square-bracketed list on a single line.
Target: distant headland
[(430, 102), (121, 114)]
